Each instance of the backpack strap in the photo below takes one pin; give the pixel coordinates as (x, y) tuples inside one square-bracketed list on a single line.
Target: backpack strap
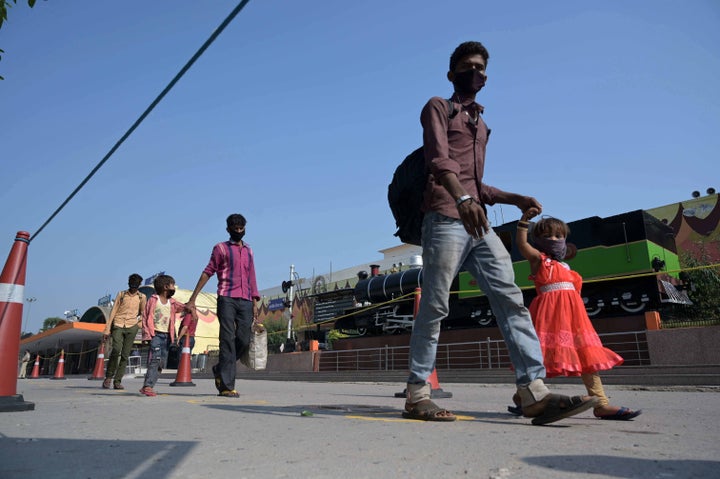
[(452, 111)]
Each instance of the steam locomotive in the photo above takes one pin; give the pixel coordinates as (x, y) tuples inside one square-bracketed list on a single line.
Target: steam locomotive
[(629, 264)]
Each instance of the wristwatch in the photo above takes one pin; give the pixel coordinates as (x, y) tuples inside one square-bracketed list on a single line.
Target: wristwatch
[(462, 200)]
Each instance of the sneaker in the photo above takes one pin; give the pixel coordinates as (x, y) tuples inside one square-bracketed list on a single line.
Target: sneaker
[(229, 393), (148, 391), (107, 383), (118, 385)]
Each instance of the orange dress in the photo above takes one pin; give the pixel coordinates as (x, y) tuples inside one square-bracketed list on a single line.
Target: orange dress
[(570, 345)]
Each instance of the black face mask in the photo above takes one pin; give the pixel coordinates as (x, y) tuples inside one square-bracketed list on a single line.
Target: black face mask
[(133, 286), (469, 81), (236, 237), (169, 293)]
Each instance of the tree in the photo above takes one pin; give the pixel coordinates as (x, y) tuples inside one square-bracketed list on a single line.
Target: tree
[(4, 6), (703, 281), (50, 323)]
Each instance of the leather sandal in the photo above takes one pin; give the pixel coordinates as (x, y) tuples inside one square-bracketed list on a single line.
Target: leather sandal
[(555, 407), (427, 410)]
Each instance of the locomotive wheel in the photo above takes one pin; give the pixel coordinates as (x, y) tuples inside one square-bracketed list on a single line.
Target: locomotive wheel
[(485, 317), (486, 321), (629, 303), (593, 305), (632, 306)]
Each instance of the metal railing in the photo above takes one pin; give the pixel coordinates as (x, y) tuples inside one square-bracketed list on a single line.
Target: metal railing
[(487, 354)]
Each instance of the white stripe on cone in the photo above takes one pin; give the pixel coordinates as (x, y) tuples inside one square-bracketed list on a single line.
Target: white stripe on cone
[(12, 293)]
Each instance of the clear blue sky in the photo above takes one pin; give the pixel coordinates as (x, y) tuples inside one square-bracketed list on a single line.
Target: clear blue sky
[(298, 114)]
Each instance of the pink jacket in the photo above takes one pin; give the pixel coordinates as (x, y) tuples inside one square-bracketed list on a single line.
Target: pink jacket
[(148, 325)]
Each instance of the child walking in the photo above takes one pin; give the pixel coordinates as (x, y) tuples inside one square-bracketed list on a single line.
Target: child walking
[(158, 326), (188, 327), (570, 344)]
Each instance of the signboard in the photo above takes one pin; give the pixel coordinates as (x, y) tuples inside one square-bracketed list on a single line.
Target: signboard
[(105, 300), (276, 304), (150, 280)]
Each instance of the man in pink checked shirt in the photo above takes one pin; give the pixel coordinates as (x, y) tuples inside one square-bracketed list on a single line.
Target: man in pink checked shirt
[(237, 300)]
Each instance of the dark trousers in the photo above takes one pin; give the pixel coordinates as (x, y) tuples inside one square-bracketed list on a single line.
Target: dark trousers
[(122, 343), (235, 316), (181, 343)]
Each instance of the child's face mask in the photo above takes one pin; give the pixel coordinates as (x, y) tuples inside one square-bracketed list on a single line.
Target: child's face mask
[(555, 248)]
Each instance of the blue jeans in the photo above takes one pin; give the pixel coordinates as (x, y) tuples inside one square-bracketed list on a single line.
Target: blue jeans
[(448, 249), (157, 354)]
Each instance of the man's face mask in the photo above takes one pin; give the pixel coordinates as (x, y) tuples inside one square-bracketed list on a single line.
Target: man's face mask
[(236, 236), (133, 286), (469, 81)]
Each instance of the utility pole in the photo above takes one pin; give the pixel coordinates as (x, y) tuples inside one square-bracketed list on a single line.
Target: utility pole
[(291, 294), (30, 301)]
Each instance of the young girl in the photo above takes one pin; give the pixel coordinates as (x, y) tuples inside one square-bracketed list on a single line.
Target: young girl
[(570, 345), (187, 327)]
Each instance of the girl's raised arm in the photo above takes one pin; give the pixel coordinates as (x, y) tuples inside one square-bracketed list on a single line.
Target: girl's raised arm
[(526, 249)]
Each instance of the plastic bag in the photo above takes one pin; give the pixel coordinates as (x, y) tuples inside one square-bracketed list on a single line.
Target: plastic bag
[(256, 355)]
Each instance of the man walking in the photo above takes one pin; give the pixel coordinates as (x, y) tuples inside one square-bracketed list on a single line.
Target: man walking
[(456, 235), (237, 294), (123, 325)]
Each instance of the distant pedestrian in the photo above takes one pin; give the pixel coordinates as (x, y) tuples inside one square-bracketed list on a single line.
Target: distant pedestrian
[(158, 323), (123, 326), (24, 364), (237, 297), (570, 344)]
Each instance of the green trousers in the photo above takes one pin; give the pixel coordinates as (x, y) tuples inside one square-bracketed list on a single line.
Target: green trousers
[(122, 343)]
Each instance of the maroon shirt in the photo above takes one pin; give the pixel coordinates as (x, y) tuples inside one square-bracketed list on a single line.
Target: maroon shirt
[(454, 145)]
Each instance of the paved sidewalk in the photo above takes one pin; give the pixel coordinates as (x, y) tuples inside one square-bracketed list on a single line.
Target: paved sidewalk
[(79, 430)]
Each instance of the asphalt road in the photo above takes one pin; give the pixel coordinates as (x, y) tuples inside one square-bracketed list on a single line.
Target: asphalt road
[(349, 430)]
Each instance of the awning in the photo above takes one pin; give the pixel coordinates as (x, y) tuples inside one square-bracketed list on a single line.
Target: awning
[(62, 335)]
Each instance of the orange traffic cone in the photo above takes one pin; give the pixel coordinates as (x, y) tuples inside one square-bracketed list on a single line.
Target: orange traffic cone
[(183, 373), (99, 371), (12, 294), (36, 368), (60, 370), (435, 390)]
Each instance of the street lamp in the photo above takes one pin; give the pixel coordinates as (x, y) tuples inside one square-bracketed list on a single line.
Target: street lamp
[(30, 301)]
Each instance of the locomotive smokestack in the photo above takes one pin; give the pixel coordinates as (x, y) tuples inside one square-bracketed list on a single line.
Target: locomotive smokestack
[(374, 269)]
